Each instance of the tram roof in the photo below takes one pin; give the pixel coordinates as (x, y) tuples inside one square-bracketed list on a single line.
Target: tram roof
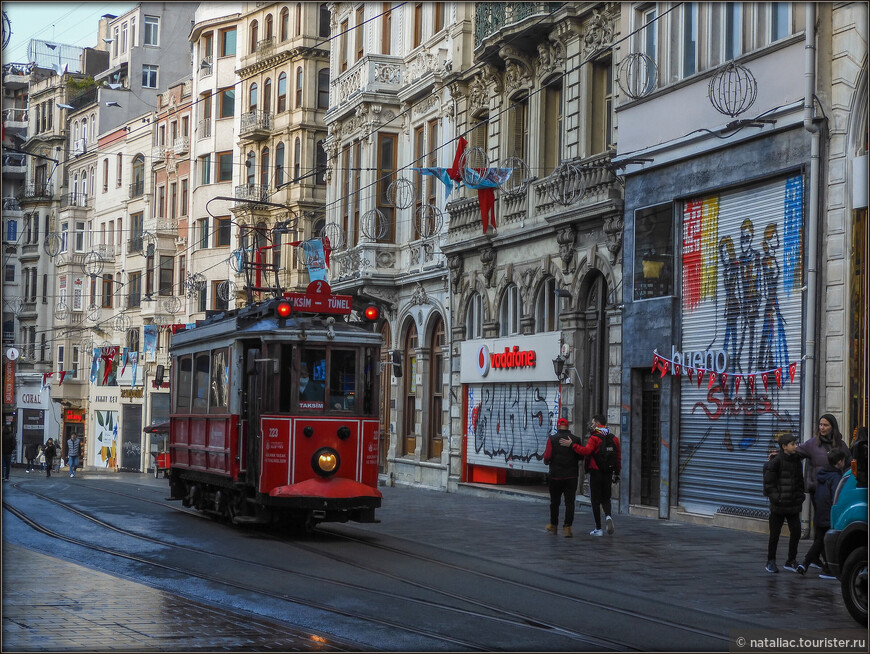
[(258, 321)]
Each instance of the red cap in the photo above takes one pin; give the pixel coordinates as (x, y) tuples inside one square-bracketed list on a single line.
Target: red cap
[(561, 422)]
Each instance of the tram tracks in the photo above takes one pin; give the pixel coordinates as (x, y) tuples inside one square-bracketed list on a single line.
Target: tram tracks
[(482, 610)]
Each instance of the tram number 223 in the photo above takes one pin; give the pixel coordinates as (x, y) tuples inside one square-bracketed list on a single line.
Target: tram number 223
[(273, 432)]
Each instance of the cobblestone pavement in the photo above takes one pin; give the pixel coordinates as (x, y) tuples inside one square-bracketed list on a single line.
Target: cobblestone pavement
[(94, 612)]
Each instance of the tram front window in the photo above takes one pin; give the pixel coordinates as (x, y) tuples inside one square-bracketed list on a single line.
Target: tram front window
[(311, 378), (342, 380)]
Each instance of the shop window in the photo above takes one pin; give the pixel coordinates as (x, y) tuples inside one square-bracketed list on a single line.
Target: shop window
[(474, 318), (547, 307), (436, 391), (653, 252), (509, 311), (410, 391)]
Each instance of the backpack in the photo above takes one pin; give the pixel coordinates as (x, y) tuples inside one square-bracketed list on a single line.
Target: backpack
[(607, 457)]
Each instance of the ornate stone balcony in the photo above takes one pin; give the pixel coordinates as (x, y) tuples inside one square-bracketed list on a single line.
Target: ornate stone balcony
[(371, 74), (255, 126)]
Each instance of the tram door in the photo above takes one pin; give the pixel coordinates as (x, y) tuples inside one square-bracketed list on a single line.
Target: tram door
[(650, 449), (250, 414)]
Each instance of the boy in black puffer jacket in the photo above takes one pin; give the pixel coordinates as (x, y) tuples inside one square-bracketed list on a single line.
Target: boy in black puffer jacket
[(827, 480), (784, 487)]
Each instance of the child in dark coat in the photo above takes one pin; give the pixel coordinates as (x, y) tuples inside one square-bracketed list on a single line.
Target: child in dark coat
[(784, 487), (827, 480)]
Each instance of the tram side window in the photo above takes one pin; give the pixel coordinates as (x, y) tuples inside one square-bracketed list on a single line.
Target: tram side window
[(220, 380), (200, 383), (182, 387), (312, 378), (342, 379)]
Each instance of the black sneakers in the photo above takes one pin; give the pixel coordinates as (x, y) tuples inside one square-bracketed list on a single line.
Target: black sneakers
[(791, 566), (771, 566)]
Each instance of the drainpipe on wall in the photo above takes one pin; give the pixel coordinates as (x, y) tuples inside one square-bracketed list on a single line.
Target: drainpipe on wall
[(808, 403)]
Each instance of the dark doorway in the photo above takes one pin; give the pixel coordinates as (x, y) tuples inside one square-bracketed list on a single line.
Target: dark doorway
[(650, 426), (131, 438)]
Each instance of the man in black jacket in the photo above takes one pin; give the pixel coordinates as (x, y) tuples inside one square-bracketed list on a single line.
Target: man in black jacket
[(784, 487), (564, 465)]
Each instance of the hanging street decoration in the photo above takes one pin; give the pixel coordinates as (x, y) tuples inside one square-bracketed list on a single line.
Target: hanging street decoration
[(664, 366), (61, 374), (479, 176)]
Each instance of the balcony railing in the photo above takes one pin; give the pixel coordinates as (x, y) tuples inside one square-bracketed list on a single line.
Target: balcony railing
[(137, 189), (11, 204), (256, 125), (105, 251), (181, 145), (13, 115), (372, 74), (135, 244), (203, 130), (205, 67), (490, 17), (73, 200), (83, 99), (252, 193), (36, 191)]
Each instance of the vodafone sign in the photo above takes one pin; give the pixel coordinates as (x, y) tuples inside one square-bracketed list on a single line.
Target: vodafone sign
[(510, 359)]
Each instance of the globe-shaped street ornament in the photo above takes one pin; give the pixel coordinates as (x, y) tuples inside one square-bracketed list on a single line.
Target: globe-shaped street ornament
[(373, 225), (637, 75), (732, 89), (335, 234), (429, 220), (518, 181), (473, 159), (567, 185), (92, 265), (401, 193)]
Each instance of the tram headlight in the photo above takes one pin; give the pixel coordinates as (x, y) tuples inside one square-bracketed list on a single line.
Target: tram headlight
[(325, 462)]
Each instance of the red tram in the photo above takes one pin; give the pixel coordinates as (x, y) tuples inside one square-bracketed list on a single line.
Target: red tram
[(275, 414)]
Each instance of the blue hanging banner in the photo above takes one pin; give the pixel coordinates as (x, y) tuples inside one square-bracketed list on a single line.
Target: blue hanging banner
[(314, 259), (151, 340)]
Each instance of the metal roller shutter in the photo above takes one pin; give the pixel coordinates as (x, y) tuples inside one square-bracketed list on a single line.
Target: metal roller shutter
[(742, 267)]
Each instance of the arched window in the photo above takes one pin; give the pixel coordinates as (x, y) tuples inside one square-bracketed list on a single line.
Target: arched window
[(75, 197), (93, 127), (434, 443), (269, 32), (509, 312), (282, 92), (250, 164), (252, 97), (297, 158), (254, 29), (324, 20), (105, 175), (285, 23), (264, 168), (474, 318), (320, 163), (84, 198), (298, 18), (85, 130), (323, 89), (279, 165), (267, 95), (409, 403), (76, 131), (547, 307), (138, 175), (299, 87)]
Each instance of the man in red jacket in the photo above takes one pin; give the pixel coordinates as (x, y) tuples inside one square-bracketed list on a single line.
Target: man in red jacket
[(603, 463)]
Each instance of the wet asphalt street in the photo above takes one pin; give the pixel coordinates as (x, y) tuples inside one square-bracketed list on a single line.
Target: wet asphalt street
[(685, 581)]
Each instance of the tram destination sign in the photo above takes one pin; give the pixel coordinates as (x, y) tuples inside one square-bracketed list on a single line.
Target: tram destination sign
[(318, 299)]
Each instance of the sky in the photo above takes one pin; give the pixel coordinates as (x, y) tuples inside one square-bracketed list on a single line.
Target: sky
[(70, 23)]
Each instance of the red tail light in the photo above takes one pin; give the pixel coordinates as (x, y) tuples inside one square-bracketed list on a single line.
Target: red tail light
[(372, 312), (283, 309)]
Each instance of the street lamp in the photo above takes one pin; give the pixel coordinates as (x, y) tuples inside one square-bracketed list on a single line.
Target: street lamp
[(559, 368)]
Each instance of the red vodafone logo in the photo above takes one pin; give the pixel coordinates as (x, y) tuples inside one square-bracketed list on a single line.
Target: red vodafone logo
[(483, 360)]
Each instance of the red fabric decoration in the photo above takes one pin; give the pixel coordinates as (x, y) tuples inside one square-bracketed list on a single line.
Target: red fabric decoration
[(453, 172), (655, 362), (62, 375), (108, 358), (724, 379), (486, 198), (764, 379), (689, 373), (751, 380), (711, 379), (792, 368), (327, 248), (701, 372), (778, 374), (737, 384), (664, 368)]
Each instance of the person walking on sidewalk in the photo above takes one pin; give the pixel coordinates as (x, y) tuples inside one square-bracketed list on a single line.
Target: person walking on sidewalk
[(784, 487), (30, 452), (40, 458), (8, 449), (50, 453), (603, 463), (564, 464), (826, 484), (74, 448)]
